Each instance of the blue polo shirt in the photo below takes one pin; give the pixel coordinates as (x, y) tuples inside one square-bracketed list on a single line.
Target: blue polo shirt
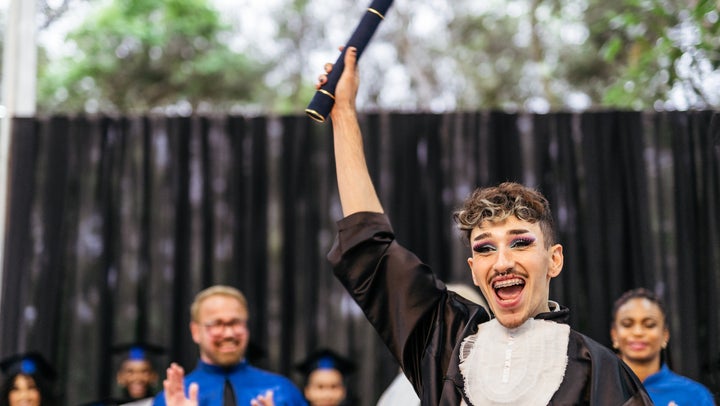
[(668, 388), (247, 381)]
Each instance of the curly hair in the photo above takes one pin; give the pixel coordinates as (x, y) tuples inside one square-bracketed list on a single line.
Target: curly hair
[(497, 203)]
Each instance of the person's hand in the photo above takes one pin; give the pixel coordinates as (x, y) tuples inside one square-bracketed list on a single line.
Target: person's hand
[(174, 387), (347, 86), (263, 400)]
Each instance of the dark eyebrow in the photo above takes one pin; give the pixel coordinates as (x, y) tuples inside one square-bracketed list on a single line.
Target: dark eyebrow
[(481, 236), (517, 231)]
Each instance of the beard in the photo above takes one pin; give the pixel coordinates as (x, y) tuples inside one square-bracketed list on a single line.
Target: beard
[(226, 358)]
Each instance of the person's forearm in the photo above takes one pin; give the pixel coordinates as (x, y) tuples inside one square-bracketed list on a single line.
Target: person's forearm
[(357, 192)]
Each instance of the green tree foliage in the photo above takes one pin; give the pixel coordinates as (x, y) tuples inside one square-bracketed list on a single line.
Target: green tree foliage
[(665, 50), (297, 33), (135, 55), (536, 55), (541, 55)]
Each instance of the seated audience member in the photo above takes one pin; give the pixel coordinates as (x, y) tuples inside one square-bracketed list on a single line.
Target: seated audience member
[(640, 335), (223, 375), (325, 372), (27, 381), (137, 376)]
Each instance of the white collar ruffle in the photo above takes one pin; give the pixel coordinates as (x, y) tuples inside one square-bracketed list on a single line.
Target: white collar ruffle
[(520, 366)]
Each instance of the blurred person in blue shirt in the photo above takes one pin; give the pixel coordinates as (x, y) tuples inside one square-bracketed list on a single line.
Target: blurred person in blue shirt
[(640, 335), (223, 376)]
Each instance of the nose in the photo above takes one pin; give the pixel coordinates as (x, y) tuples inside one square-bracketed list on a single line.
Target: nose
[(504, 261), (23, 394), (638, 329), (228, 330)]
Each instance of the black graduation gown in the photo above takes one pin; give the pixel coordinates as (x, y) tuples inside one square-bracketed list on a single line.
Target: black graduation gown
[(423, 324)]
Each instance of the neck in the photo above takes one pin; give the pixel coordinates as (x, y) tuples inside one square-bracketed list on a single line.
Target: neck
[(643, 369)]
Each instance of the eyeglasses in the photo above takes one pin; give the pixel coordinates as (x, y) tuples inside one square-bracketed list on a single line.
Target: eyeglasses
[(217, 327)]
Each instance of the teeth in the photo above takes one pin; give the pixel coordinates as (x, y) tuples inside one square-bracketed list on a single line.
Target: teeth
[(506, 283)]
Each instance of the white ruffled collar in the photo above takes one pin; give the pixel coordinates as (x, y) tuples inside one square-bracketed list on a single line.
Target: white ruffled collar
[(519, 366)]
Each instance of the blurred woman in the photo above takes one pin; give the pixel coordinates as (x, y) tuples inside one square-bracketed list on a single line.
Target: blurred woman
[(325, 373), (28, 381), (640, 334)]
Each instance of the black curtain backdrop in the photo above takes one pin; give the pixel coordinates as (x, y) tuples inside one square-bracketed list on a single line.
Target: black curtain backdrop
[(115, 223)]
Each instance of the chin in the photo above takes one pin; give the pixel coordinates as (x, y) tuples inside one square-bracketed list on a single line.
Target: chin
[(510, 320), (641, 358), (511, 324), (228, 360)]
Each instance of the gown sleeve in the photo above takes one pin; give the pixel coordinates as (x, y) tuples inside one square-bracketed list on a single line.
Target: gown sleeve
[(412, 311)]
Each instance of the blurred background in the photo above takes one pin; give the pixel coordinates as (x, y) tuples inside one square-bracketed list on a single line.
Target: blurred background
[(431, 55), (167, 150)]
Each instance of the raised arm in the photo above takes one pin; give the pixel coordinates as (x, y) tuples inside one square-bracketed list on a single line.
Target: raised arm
[(357, 192)]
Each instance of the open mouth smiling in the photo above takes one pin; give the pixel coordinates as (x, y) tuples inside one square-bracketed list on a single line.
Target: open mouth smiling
[(508, 288)]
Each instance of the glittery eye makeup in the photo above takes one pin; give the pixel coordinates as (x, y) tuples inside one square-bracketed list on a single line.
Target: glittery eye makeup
[(483, 247), (522, 242), (520, 238)]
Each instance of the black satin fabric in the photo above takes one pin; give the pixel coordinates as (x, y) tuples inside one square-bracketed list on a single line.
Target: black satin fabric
[(423, 324)]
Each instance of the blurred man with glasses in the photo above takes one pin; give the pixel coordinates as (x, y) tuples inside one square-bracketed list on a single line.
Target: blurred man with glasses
[(219, 326)]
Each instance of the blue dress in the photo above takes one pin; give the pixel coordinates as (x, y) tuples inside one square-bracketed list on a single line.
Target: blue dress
[(247, 380), (668, 388)]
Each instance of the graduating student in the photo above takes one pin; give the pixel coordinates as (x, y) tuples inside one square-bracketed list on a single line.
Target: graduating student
[(137, 376), (325, 372), (452, 350), (28, 380)]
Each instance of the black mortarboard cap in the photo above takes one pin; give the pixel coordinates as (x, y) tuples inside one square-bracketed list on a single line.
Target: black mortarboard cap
[(138, 350), (325, 358), (29, 363)]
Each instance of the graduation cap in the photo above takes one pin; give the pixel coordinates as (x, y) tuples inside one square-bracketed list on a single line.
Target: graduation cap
[(138, 351), (325, 358), (136, 376), (29, 363)]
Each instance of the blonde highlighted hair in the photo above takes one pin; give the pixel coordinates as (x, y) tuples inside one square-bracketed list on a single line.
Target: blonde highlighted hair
[(217, 290)]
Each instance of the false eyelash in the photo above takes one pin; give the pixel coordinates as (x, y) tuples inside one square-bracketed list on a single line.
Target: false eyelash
[(525, 241), (481, 247)]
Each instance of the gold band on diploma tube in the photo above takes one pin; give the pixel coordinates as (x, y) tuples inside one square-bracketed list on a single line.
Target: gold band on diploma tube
[(377, 13), (326, 93), (322, 102), (315, 115)]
